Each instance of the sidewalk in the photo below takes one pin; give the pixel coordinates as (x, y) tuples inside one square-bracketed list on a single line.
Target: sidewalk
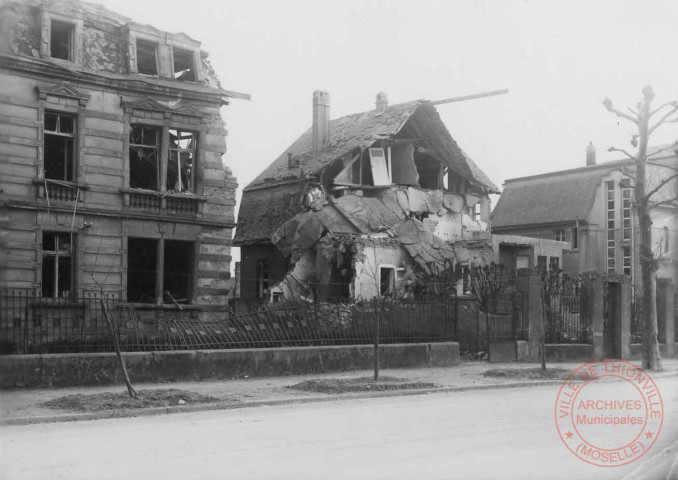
[(23, 406)]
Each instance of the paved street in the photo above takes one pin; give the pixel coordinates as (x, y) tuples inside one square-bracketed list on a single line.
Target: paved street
[(478, 435)]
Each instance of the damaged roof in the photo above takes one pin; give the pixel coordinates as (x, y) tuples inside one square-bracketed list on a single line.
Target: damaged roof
[(266, 200), (412, 120)]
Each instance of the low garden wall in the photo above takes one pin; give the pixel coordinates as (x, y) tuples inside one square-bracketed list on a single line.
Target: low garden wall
[(79, 369)]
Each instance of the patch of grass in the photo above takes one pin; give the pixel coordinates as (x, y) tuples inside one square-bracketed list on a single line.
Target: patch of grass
[(528, 373), (364, 384), (115, 401)]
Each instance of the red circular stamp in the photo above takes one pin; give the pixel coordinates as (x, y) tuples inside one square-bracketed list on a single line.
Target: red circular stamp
[(609, 412)]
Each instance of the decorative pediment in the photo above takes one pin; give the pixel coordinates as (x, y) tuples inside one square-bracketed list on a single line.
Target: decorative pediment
[(62, 90), (176, 112)]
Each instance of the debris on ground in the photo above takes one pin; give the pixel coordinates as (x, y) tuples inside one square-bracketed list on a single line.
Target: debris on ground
[(471, 356), (364, 384), (528, 373), (97, 402)]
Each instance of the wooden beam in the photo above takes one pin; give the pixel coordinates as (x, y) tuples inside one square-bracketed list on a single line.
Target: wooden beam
[(471, 97)]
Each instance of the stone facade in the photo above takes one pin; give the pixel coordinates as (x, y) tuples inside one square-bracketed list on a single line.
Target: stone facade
[(111, 171)]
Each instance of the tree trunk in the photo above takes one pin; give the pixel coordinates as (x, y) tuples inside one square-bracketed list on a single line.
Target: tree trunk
[(651, 359), (114, 336)]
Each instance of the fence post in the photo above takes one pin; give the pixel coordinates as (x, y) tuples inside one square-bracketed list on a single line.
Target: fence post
[(623, 333), (665, 314), (530, 285), (377, 318), (592, 308)]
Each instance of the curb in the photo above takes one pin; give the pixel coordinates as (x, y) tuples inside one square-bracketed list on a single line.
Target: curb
[(225, 405)]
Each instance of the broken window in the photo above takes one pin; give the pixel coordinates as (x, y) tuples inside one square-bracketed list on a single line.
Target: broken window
[(387, 277), (142, 265), (59, 143), (146, 57), (181, 161), (143, 271), (57, 264), (184, 65), (178, 271), (144, 164), (475, 212), (262, 279), (430, 172), (554, 263), (61, 40)]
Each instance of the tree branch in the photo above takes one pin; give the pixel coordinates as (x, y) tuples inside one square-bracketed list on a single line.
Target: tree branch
[(607, 103), (659, 108), (660, 185), (662, 150), (621, 150), (664, 119), (670, 201)]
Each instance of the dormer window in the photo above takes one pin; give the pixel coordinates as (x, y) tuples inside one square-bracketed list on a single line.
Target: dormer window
[(147, 62), (62, 40), (184, 65)]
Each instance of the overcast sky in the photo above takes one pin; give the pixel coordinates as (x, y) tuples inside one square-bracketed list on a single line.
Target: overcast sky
[(559, 60)]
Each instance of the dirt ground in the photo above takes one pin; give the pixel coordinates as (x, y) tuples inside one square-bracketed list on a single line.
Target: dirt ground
[(363, 384), (117, 400), (528, 373)]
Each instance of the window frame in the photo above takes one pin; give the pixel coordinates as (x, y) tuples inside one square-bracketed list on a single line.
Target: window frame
[(164, 149), (55, 133), (160, 243), (75, 50), (57, 254), (156, 51), (392, 279), (559, 235)]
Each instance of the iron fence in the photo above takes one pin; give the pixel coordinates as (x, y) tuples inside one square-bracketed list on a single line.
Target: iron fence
[(563, 300), (30, 324), (507, 319)]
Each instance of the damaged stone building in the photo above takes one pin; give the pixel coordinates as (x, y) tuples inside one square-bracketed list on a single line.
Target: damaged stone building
[(111, 172), (364, 205)]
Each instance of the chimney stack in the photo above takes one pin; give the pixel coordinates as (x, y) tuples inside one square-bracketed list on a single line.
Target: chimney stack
[(590, 155), (382, 102), (321, 120)]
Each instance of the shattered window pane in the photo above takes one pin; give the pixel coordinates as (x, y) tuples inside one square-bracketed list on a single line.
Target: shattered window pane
[(61, 40), (184, 66), (146, 57), (57, 264), (144, 148), (181, 161), (59, 141)]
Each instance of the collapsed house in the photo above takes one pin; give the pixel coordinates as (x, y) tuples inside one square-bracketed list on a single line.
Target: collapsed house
[(369, 204)]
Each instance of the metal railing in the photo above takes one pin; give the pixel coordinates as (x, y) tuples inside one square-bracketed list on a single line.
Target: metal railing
[(564, 315), (30, 324)]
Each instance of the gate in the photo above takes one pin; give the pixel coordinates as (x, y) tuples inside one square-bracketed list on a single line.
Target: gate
[(564, 312), (611, 318), (506, 324)]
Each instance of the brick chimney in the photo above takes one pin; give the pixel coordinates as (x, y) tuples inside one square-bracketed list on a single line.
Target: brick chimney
[(590, 154), (382, 102), (321, 120)]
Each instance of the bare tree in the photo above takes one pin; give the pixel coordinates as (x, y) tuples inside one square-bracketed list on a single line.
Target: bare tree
[(647, 120)]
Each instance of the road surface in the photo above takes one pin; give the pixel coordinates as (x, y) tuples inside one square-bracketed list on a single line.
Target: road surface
[(472, 435)]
